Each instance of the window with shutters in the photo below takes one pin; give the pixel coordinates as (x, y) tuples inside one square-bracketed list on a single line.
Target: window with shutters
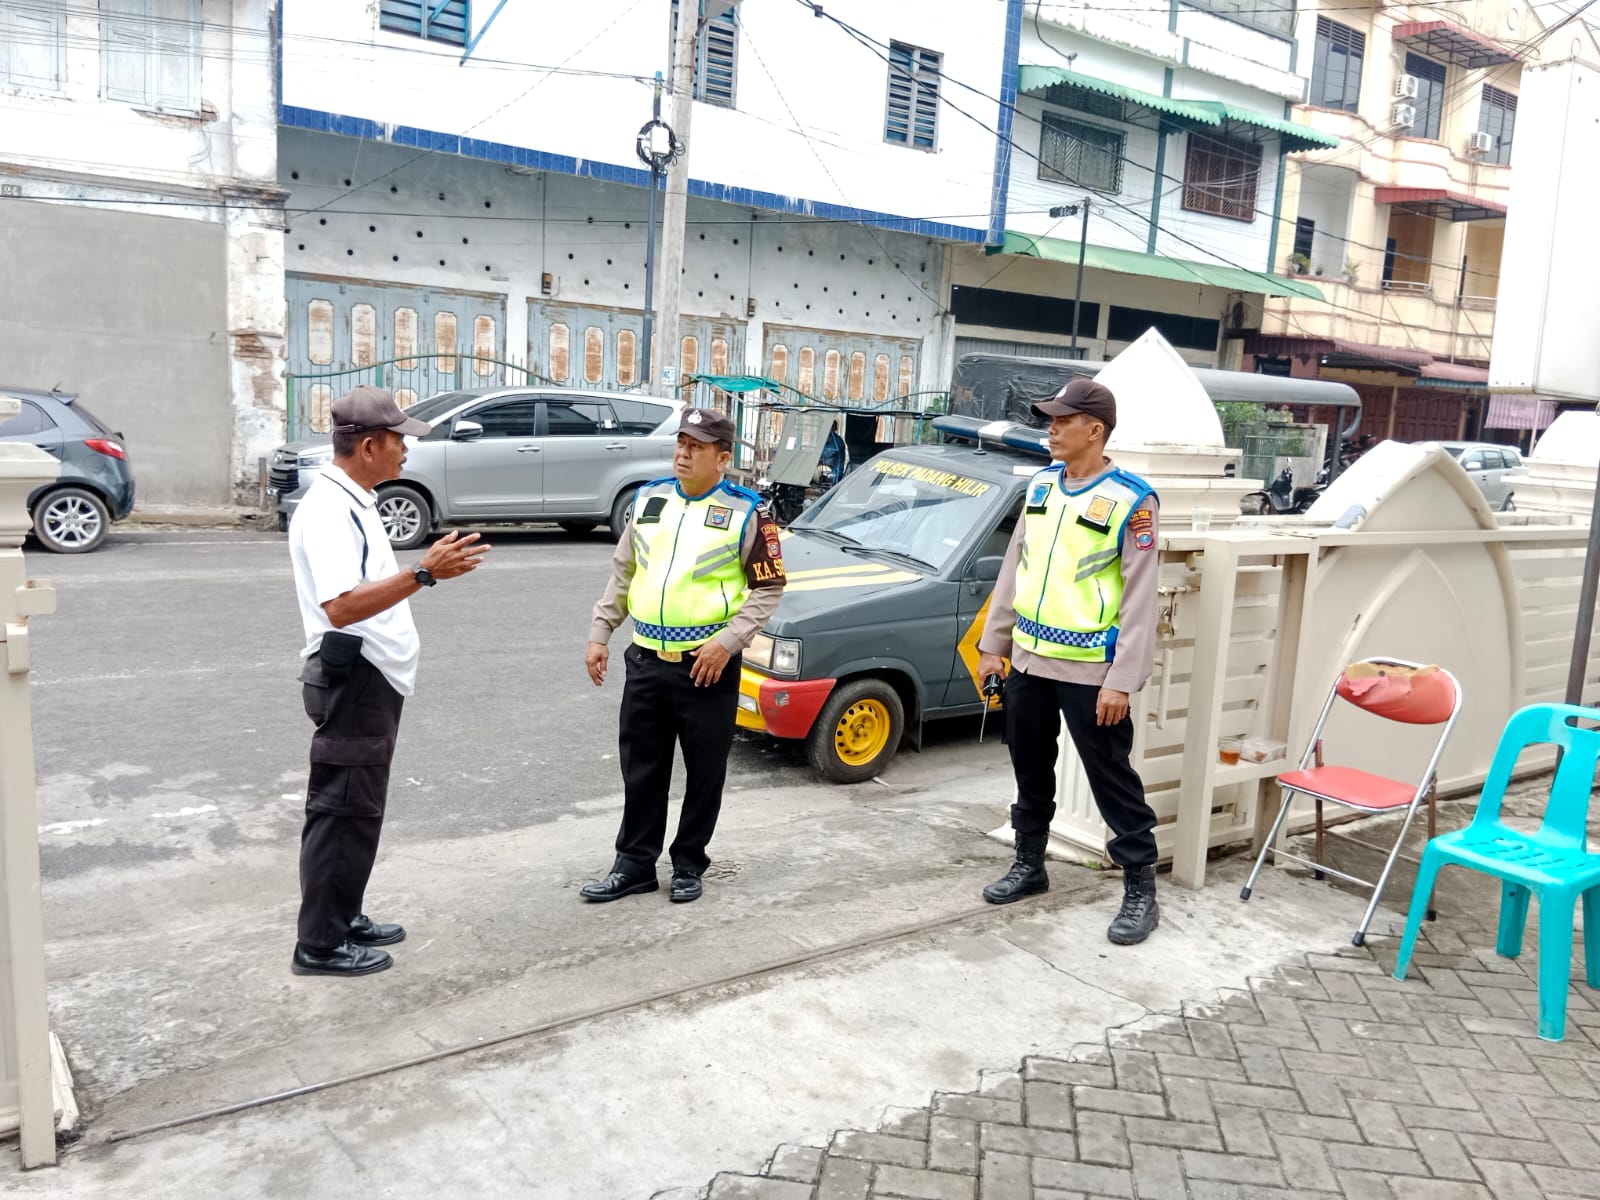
[(150, 53), (912, 118), (1221, 177), (1084, 155), (1336, 68), (1430, 95), (431, 20), (33, 36), (1497, 115), (716, 56)]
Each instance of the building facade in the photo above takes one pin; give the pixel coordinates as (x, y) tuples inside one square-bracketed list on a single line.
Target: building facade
[(1170, 121), (1403, 226), (141, 228), (466, 176)]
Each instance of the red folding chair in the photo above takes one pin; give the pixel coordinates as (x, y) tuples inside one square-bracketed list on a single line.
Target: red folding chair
[(1432, 697)]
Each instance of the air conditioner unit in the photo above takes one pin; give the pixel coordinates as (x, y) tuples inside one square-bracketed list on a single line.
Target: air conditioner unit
[(1480, 143), (1403, 116), (1406, 87)]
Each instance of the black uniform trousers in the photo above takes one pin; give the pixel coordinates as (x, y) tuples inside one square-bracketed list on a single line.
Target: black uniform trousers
[(661, 709), (1034, 709), (357, 715)]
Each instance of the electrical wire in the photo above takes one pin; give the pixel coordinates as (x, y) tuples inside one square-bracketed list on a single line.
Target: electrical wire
[(1155, 225), (939, 310)]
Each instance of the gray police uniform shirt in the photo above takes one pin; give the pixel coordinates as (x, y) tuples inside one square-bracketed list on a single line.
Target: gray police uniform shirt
[(1136, 636)]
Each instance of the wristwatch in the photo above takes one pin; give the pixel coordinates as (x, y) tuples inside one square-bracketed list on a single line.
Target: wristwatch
[(423, 576)]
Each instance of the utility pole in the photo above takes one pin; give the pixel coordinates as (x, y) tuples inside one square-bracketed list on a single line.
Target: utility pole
[(675, 212), (1578, 668), (1067, 210), (657, 147)]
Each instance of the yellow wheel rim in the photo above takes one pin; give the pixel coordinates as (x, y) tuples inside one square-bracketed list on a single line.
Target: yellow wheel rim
[(862, 732)]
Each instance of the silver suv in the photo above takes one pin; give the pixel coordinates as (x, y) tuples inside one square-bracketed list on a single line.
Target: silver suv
[(1488, 464), (509, 454)]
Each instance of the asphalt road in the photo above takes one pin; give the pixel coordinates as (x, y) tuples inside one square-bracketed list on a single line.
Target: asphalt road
[(168, 720)]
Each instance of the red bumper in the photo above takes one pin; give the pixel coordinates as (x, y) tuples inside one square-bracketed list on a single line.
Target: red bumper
[(785, 708)]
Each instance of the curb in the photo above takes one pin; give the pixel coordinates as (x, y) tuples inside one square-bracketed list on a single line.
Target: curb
[(230, 517)]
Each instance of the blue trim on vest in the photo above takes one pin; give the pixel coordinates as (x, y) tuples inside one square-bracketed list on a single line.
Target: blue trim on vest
[(1069, 637), (678, 633)]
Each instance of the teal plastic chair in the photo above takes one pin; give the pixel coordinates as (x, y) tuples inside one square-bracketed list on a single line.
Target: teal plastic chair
[(1553, 861)]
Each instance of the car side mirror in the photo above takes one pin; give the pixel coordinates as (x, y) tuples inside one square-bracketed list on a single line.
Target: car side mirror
[(985, 570), (465, 431)]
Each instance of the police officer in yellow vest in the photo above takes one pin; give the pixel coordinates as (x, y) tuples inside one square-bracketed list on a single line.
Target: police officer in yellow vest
[(1074, 610), (699, 568)]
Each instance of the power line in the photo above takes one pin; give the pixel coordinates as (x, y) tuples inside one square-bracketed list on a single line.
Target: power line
[(1179, 183), (940, 310), (867, 43)]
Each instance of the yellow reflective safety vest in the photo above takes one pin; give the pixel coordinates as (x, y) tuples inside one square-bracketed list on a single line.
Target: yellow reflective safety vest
[(1069, 575), (688, 577)]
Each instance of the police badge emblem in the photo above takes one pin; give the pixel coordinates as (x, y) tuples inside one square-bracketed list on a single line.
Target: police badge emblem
[(718, 517)]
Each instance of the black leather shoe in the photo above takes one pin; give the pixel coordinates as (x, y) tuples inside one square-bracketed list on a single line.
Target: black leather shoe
[(364, 931), (345, 959), (617, 885), (685, 887)]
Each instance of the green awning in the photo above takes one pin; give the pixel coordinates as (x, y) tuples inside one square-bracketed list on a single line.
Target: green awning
[(1157, 266), (1295, 137), (1208, 114), (737, 384), (1039, 79)]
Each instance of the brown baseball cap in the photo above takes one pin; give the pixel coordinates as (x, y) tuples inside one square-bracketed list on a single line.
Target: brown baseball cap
[(1082, 396), (707, 425), (368, 409)]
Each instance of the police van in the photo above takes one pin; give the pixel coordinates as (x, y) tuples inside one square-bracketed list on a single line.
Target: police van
[(889, 576)]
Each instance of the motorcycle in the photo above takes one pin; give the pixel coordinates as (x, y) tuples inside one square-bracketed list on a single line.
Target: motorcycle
[(789, 500), (1281, 498)]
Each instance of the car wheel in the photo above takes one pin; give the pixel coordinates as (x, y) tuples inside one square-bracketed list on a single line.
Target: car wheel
[(1507, 506), (71, 521), (406, 516), (578, 528), (857, 732), (619, 510)]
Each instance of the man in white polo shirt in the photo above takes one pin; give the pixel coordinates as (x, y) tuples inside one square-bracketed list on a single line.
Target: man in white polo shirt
[(360, 664)]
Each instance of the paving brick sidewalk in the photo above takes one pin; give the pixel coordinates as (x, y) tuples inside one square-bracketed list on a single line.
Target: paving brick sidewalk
[(1329, 1080)]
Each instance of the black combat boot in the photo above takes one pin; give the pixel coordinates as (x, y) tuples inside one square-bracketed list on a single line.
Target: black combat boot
[(1026, 876), (1140, 913)]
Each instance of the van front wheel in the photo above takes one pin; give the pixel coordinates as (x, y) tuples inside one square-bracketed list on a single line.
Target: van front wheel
[(857, 732)]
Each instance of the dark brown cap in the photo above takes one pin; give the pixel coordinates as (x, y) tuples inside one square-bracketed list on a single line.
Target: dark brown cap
[(368, 409), (707, 425), (1082, 396)]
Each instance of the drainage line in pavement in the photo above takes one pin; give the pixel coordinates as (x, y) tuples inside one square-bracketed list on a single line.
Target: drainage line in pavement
[(799, 960)]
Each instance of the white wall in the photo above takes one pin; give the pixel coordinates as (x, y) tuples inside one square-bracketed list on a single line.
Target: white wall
[(75, 129), (498, 232), (1545, 341), (810, 100), (204, 152)]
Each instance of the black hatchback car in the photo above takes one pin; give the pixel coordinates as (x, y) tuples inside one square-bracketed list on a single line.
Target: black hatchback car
[(72, 514)]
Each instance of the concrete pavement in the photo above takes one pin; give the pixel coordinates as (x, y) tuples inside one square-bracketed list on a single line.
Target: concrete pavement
[(840, 973)]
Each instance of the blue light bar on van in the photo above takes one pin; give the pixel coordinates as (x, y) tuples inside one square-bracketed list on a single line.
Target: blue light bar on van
[(1006, 433)]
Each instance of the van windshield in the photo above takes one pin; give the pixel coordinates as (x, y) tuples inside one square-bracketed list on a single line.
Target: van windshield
[(907, 509)]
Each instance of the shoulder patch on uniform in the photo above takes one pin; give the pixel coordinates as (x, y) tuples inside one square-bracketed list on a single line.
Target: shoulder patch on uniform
[(1142, 526)]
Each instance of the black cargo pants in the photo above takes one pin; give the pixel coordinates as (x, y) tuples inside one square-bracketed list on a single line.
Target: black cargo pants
[(357, 715), (1035, 708), (661, 709)]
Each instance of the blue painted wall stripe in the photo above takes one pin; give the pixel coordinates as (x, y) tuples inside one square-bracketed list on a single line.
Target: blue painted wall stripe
[(1008, 101), (294, 117)]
